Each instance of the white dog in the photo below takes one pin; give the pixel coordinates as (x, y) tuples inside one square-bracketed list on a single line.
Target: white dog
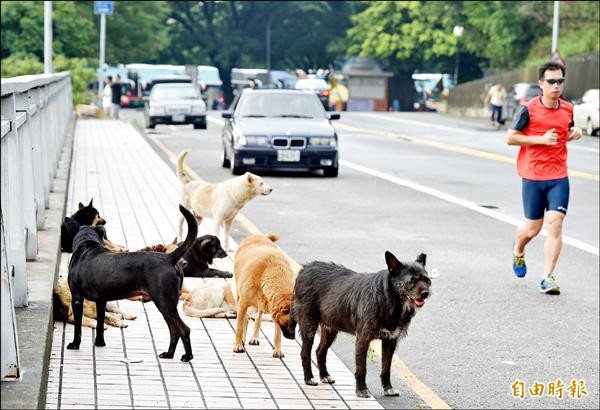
[(211, 299), (221, 201)]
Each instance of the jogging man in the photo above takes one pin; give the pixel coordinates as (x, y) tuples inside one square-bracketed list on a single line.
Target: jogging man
[(542, 129)]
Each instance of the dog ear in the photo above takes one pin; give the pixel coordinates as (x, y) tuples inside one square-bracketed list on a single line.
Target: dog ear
[(421, 259), (392, 262), (90, 205), (174, 241), (81, 205), (249, 177), (72, 226)]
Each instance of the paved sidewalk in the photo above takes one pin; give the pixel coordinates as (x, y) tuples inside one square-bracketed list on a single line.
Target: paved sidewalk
[(137, 194)]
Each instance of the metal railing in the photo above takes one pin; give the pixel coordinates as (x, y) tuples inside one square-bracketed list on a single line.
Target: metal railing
[(36, 111)]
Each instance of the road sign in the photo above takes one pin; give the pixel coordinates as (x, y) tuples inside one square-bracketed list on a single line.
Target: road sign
[(556, 57), (103, 7)]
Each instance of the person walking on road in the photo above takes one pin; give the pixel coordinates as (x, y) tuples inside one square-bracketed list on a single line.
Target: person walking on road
[(107, 96), (497, 98), (542, 129), (116, 97)]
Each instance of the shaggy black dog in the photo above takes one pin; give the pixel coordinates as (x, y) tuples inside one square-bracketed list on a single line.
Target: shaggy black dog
[(85, 215), (199, 256), (370, 306)]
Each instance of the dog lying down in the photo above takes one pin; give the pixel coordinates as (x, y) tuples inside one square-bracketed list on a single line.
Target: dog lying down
[(101, 276), (371, 306), (211, 299)]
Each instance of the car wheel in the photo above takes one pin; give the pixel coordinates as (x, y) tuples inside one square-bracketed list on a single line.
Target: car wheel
[(235, 170), (151, 124), (331, 172), (200, 125), (589, 129), (225, 163)]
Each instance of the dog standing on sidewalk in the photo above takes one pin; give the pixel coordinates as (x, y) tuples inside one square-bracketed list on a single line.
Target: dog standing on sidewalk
[(99, 275), (221, 201), (370, 306)]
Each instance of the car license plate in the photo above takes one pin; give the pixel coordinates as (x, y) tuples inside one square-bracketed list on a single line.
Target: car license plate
[(178, 117), (288, 155)]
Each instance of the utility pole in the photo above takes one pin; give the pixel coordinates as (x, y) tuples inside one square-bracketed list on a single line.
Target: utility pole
[(102, 55), (48, 37), (269, 49), (555, 26)]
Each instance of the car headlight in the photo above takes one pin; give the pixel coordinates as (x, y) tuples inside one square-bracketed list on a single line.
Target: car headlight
[(257, 140), (157, 110), (198, 108), (322, 141)]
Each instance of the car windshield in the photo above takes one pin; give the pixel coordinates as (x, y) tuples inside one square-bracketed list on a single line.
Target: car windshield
[(171, 92), (285, 105)]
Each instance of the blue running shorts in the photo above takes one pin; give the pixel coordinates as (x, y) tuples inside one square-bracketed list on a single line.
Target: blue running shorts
[(540, 196)]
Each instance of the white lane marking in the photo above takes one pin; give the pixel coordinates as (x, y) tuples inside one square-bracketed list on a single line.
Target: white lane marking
[(461, 130), (462, 202)]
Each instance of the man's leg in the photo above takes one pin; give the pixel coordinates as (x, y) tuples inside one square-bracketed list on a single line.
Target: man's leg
[(528, 230), (553, 243)]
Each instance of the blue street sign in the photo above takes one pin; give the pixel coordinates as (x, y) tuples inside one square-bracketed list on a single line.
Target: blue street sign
[(103, 7)]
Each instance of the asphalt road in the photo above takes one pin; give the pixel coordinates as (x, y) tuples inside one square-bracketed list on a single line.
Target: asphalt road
[(425, 182)]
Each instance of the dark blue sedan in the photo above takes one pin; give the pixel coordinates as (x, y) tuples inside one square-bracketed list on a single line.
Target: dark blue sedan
[(279, 129)]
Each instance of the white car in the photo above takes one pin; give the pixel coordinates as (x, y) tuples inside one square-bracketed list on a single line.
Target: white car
[(585, 113), (175, 103)]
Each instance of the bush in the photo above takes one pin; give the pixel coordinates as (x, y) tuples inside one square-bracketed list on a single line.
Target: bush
[(81, 73)]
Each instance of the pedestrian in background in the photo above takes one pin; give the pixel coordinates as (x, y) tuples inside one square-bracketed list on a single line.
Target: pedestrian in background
[(497, 98), (542, 128), (107, 96), (116, 97)]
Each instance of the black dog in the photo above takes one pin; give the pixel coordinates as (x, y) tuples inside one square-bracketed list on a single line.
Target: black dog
[(199, 256), (99, 275), (85, 215), (370, 306)]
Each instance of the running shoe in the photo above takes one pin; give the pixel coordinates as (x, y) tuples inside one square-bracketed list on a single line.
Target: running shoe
[(519, 266), (549, 285)]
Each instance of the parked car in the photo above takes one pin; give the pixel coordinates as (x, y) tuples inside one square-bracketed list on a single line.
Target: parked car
[(518, 95), (586, 112), (175, 103), (279, 129), (129, 99), (317, 86)]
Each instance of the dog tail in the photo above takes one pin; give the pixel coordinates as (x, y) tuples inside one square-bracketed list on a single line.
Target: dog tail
[(183, 177), (273, 237), (190, 238)]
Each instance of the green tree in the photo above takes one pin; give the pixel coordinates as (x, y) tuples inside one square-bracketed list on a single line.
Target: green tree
[(233, 34), (406, 36)]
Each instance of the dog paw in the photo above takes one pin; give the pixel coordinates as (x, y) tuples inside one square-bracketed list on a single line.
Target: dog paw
[(73, 346), (327, 379), (278, 354), (128, 316), (310, 382), (238, 349), (364, 393), (166, 355), (254, 342), (391, 392), (100, 342), (230, 315), (187, 357)]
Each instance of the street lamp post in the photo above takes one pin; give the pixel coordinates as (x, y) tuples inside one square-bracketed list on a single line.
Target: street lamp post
[(269, 49), (458, 32)]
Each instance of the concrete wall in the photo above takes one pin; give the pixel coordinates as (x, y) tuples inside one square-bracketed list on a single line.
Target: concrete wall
[(583, 73)]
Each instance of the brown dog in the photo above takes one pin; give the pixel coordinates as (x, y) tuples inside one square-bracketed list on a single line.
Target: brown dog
[(264, 280)]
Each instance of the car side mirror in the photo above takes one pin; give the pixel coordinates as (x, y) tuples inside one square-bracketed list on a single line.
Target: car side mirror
[(226, 115), (335, 116)]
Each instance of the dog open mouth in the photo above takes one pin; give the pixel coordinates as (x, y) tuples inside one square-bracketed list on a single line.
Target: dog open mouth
[(419, 302)]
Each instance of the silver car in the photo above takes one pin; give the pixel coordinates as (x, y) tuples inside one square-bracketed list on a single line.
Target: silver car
[(175, 103)]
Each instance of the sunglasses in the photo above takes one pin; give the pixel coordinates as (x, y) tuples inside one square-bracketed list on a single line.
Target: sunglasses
[(553, 81)]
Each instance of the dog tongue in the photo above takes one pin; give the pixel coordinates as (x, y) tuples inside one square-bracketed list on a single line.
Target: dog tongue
[(419, 302)]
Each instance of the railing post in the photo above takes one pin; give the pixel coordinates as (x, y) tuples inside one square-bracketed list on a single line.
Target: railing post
[(28, 207), (42, 185), (10, 341), (13, 195)]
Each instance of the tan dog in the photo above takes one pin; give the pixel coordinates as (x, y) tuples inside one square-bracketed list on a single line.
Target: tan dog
[(211, 299), (264, 280), (114, 316), (221, 201)]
